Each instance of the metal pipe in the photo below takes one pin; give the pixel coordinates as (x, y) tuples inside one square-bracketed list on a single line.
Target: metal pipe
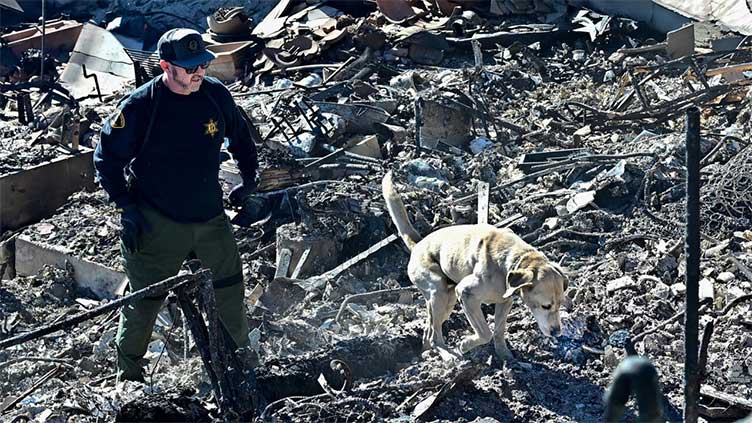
[(692, 253), (419, 103), (44, 32)]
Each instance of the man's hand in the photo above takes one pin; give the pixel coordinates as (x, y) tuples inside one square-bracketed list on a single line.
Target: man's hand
[(254, 208), (134, 225), (242, 191)]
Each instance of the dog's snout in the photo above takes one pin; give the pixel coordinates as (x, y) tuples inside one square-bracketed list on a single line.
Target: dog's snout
[(555, 331)]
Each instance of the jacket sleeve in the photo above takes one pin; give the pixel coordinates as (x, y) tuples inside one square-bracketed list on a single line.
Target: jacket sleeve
[(242, 141), (118, 145)]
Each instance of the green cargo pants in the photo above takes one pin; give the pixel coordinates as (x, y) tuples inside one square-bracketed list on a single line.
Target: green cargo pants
[(161, 254)]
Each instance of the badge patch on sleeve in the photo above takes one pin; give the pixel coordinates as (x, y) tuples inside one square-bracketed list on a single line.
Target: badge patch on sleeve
[(117, 121), (211, 128)]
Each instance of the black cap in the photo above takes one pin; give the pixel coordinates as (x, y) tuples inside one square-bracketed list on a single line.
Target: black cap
[(184, 47)]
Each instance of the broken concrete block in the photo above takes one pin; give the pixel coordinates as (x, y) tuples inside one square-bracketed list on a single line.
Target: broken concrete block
[(733, 293), (364, 146), (621, 283), (323, 250), (678, 289), (610, 359), (661, 290), (303, 144), (726, 277), (654, 343), (444, 123)]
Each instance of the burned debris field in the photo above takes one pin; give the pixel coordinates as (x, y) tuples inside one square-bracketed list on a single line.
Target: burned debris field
[(565, 122)]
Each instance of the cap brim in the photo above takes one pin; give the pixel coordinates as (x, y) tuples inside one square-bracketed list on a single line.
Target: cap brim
[(204, 57)]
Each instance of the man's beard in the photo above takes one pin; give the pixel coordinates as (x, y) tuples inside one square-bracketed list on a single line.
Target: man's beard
[(189, 86)]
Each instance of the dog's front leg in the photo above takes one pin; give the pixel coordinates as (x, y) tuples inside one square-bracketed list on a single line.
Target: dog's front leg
[(500, 322), (467, 292)]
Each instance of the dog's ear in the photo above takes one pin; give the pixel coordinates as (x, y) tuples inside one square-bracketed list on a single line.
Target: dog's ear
[(518, 279), (563, 274)]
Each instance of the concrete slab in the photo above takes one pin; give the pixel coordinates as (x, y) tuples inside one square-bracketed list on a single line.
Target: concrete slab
[(32, 194), (31, 256)]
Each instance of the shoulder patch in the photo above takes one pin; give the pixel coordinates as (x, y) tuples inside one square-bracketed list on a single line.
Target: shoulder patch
[(117, 121)]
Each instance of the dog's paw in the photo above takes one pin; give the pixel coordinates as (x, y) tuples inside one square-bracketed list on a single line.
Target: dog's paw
[(505, 355), (448, 354), (469, 343)]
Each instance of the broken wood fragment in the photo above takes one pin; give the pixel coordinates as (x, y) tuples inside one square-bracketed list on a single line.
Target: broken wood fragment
[(370, 295)]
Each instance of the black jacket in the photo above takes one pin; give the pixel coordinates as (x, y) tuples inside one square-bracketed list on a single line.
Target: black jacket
[(168, 146)]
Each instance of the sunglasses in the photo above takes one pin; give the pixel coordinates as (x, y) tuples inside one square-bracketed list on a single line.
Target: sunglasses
[(193, 69)]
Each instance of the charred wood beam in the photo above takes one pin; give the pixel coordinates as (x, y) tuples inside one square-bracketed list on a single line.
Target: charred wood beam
[(692, 254), (662, 111), (228, 375), (157, 289), (355, 69)]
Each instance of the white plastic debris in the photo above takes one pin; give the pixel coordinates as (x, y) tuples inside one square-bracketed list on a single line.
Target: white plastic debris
[(706, 289)]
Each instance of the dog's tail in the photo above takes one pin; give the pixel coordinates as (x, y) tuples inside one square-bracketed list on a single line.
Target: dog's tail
[(398, 213)]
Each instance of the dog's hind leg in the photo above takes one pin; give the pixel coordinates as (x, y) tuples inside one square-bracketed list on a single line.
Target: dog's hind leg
[(442, 305), (471, 302), (441, 309), (428, 330), (432, 282), (449, 305)]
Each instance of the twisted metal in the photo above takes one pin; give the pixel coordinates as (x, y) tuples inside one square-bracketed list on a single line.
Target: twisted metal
[(727, 198)]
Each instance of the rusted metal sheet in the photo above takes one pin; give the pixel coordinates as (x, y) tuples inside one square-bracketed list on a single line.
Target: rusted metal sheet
[(32, 194), (396, 11), (59, 35), (229, 62)]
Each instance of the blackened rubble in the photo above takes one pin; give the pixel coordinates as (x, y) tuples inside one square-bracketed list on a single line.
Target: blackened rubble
[(584, 150)]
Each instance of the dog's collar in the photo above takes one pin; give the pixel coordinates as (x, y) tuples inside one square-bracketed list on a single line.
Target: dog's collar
[(516, 263)]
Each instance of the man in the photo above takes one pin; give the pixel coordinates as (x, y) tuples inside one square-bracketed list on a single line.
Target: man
[(158, 160)]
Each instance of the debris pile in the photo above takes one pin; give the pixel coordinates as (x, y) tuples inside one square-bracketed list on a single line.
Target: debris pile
[(563, 124)]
